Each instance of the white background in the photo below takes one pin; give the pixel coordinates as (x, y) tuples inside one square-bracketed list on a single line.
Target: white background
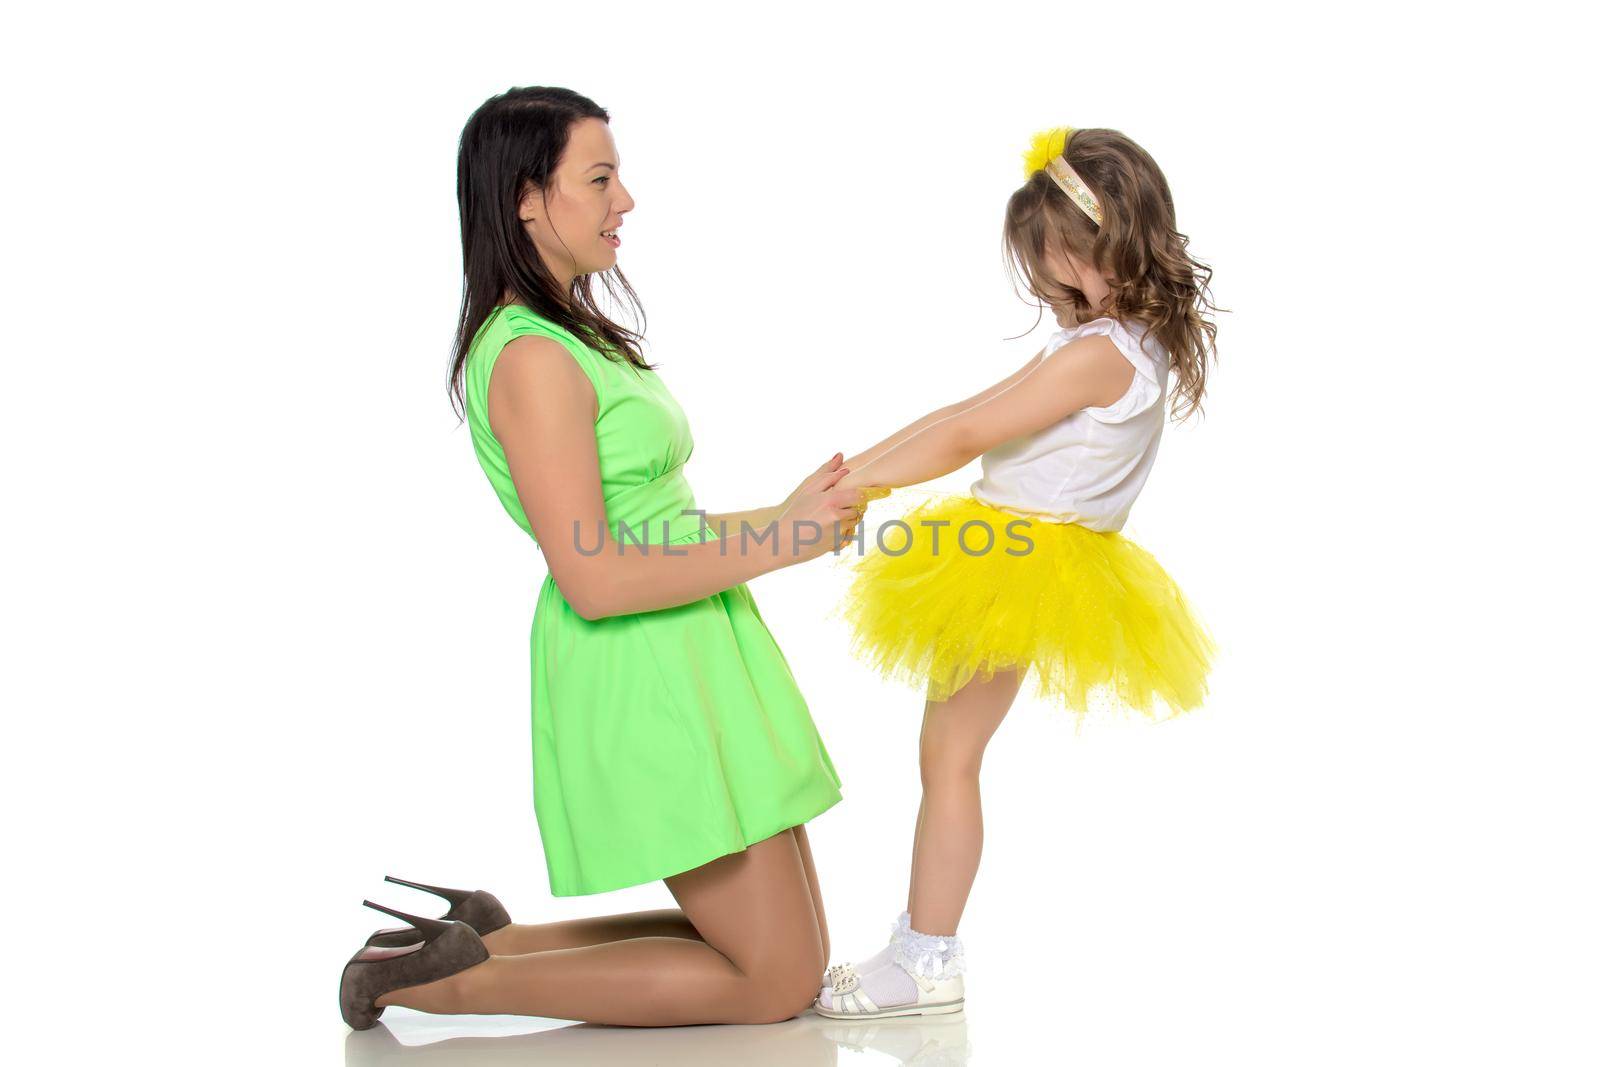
[(266, 624)]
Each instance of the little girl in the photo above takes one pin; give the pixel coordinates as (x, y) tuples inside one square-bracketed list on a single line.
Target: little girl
[(1029, 572)]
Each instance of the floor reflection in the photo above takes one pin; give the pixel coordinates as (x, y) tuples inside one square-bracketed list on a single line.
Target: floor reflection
[(415, 1039)]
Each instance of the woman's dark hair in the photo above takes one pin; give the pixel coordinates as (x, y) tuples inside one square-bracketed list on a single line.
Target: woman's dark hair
[(511, 141)]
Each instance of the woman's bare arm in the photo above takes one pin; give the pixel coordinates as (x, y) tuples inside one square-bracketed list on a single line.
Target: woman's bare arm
[(861, 459), (542, 410), (1088, 372), (758, 518)]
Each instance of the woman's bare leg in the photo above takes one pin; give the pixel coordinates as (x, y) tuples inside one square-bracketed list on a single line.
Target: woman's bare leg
[(758, 962), (810, 865), (519, 938), (950, 830)]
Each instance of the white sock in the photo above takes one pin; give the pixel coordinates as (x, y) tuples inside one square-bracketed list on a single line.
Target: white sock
[(936, 956), (878, 959), (886, 953), (889, 984)]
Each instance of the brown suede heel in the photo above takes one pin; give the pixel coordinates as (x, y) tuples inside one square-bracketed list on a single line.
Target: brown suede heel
[(478, 908), (444, 949)]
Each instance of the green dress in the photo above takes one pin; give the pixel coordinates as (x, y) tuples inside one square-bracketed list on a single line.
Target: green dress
[(667, 738)]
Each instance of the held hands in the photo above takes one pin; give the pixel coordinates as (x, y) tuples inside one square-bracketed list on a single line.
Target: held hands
[(820, 515), (861, 480)]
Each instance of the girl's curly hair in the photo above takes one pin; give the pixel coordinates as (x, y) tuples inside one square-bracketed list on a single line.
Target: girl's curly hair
[(1153, 279)]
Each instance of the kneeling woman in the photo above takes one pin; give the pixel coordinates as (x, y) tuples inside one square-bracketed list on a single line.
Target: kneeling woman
[(670, 740)]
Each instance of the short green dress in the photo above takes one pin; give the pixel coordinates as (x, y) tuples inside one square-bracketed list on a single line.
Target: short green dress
[(667, 738)]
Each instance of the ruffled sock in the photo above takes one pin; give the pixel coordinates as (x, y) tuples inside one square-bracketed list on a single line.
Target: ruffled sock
[(877, 960), (890, 983), (886, 953), (937, 956)]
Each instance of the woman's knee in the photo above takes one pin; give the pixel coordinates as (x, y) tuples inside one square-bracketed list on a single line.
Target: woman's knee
[(787, 981), (784, 994), (758, 910)]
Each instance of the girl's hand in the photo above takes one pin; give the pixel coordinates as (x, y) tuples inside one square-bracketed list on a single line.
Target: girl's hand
[(863, 480), (866, 493)]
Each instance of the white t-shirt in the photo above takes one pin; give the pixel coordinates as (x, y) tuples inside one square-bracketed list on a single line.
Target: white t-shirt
[(1089, 467)]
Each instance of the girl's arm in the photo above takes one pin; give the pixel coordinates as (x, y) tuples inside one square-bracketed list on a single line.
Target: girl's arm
[(1088, 372), (861, 459), (761, 518), (1065, 318), (542, 411)]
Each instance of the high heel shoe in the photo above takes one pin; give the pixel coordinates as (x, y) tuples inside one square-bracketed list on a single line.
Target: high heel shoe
[(475, 907), (444, 949)]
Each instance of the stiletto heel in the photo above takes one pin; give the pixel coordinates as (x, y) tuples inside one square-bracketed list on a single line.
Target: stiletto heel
[(444, 948), (431, 928), (475, 907), (454, 896)]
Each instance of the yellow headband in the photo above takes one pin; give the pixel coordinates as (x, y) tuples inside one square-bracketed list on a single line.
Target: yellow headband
[(1044, 155)]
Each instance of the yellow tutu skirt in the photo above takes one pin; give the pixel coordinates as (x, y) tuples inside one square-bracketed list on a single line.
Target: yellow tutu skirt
[(1092, 614)]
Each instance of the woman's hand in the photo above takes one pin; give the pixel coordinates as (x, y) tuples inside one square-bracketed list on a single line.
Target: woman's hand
[(828, 465), (819, 516)]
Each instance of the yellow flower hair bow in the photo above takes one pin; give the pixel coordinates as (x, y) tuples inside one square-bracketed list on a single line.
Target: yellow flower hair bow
[(1048, 153), (1047, 144)]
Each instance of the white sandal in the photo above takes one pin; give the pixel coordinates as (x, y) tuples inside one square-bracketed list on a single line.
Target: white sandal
[(935, 996)]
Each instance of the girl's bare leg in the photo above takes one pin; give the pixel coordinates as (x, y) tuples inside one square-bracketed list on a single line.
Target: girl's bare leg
[(519, 938), (911, 891), (759, 960), (949, 842)]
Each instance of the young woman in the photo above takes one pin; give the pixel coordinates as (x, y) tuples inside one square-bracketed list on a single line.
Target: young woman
[(669, 738)]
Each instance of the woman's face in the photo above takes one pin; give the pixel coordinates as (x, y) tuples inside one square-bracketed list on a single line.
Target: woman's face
[(573, 221)]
